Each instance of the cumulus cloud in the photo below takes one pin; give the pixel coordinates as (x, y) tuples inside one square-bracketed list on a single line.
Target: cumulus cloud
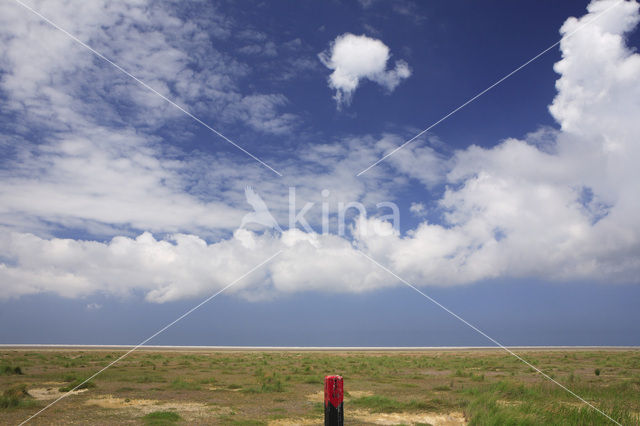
[(563, 205), (183, 265), (353, 58)]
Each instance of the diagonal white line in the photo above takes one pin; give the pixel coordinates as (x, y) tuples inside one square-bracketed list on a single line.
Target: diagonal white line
[(143, 84), (473, 327), (155, 334), (599, 15)]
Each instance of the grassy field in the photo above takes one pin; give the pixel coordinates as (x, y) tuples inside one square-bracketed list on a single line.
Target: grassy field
[(259, 388)]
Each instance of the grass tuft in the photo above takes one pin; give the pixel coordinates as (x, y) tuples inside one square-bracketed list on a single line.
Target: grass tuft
[(16, 396), (7, 370), (76, 382), (161, 418)]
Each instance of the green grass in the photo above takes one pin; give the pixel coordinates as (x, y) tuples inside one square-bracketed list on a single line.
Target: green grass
[(179, 384), (161, 418), (76, 382), (383, 404), (14, 397), (268, 383), (508, 403), (488, 411), (313, 380), (8, 370)]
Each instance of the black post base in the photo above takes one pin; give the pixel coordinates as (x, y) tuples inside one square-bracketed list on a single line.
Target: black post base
[(333, 416)]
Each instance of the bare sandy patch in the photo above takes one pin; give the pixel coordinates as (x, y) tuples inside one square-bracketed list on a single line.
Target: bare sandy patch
[(506, 403), (112, 402), (316, 397), (51, 392), (226, 389), (188, 410), (293, 422), (436, 419)]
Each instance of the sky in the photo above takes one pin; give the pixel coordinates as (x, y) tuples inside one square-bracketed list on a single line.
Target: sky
[(154, 154)]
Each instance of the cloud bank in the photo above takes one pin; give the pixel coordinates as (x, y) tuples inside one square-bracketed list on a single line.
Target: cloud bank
[(353, 58)]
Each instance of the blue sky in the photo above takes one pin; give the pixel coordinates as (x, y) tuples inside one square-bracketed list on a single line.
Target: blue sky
[(118, 211)]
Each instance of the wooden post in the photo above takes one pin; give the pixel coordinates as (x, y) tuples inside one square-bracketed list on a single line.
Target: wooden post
[(333, 405)]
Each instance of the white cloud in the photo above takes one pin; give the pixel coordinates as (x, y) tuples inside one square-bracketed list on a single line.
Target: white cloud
[(93, 307), (89, 147), (423, 163), (260, 112), (417, 209), (102, 176), (353, 58), (561, 210), (267, 49), (50, 77), (183, 266)]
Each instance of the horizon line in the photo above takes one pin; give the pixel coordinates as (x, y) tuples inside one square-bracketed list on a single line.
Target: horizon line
[(310, 348)]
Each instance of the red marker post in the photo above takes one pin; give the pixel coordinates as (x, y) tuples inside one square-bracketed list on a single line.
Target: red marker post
[(333, 405)]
